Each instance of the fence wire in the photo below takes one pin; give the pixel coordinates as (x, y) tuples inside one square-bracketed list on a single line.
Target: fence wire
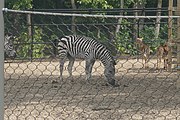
[(143, 94)]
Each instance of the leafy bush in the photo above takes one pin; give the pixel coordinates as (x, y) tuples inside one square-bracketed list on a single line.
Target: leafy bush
[(30, 46)]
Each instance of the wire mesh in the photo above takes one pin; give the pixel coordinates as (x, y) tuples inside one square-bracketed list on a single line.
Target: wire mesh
[(144, 93)]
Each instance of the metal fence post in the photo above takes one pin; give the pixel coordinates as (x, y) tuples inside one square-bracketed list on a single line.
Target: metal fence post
[(30, 33), (1, 61), (170, 22), (178, 45)]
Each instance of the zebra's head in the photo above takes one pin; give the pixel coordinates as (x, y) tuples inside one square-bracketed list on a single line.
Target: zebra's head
[(109, 72), (9, 49)]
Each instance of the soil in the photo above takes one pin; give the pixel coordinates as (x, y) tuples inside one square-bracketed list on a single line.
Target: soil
[(142, 94)]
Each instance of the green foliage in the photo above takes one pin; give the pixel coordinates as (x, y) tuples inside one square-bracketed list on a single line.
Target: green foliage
[(95, 4), (105, 4), (148, 34), (31, 47), (23, 48), (93, 27), (123, 40), (125, 44), (19, 4), (38, 48)]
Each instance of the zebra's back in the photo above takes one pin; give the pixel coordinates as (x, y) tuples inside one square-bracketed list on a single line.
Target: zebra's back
[(82, 47)]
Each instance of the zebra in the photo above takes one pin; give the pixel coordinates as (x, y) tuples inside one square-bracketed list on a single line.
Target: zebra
[(75, 46), (9, 49)]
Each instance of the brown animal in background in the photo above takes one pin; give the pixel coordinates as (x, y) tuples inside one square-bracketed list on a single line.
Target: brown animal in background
[(162, 53), (144, 50)]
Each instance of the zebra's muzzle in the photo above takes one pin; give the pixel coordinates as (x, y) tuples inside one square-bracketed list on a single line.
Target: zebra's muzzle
[(112, 82)]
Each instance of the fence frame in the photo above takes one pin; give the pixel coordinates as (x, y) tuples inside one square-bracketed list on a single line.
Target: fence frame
[(1, 61), (1, 38), (170, 22), (178, 44), (83, 15)]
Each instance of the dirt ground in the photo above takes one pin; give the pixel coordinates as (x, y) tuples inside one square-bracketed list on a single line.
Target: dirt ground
[(143, 94)]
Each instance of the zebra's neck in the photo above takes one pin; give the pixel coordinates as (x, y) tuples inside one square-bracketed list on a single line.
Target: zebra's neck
[(105, 59)]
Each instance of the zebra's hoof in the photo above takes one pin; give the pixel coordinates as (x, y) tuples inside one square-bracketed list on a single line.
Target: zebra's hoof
[(111, 82), (54, 82)]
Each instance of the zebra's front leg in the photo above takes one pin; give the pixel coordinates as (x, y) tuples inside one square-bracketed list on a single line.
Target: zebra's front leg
[(88, 69), (70, 65)]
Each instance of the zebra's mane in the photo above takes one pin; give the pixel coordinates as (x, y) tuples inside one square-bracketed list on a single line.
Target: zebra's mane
[(97, 42)]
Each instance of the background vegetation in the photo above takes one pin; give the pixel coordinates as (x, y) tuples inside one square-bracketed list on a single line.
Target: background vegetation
[(36, 34)]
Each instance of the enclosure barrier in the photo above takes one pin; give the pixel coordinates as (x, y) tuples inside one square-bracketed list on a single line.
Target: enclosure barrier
[(178, 46), (84, 15), (1, 62), (143, 94)]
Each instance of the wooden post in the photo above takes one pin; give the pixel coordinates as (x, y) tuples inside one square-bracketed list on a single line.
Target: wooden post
[(170, 9), (178, 43)]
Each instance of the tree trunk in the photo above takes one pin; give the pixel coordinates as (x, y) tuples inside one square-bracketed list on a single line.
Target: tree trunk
[(120, 19), (138, 23), (30, 37), (73, 27), (157, 27), (98, 33), (29, 25), (135, 26)]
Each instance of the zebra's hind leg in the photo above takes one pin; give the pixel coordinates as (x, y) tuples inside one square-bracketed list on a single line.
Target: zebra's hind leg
[(61, 67), (70, 65), (88, 69), (62, 61)]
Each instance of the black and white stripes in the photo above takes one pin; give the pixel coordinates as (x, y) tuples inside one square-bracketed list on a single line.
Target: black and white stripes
[(9, 49), (74, 46)]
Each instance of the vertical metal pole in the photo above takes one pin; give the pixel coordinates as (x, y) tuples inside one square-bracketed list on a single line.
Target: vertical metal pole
[(1, 61), (178, 44), (29, 22), (135, 27), (170, 8)]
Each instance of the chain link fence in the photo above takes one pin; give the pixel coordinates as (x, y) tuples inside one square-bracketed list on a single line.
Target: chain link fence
[(143, 94)]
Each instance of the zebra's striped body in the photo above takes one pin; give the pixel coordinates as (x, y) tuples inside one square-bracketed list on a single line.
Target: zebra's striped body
[(73, 46), (9, 49)]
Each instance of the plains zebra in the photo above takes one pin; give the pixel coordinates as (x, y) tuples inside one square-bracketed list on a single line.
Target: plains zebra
[(75, 46), (9, 49)]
